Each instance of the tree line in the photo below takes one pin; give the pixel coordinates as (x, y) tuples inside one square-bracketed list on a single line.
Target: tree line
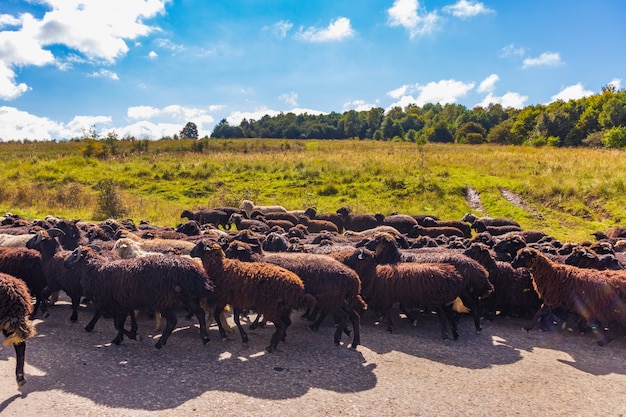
[(598, 121)]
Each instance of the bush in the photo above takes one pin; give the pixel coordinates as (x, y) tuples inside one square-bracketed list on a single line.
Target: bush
[(615, 137), (110, 203)]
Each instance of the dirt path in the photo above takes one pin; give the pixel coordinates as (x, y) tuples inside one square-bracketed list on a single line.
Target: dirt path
[(502, 372)]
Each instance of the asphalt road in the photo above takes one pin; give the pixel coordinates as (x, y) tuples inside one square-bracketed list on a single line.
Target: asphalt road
[(502, 372)]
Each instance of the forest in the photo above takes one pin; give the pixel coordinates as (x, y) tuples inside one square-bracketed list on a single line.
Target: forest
[(594, 121)]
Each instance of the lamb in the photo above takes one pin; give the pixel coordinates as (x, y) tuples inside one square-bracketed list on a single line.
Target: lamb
[(593, 295), (271, 290), (248, 207), (26, 264), (480, 226), (254, 225), (14, 241), (489, 221), (317, 226), (15, 308), (215, 217), (357, 222), (513, 288), (433, 286), (158, 283), (335, 286), (335, 218)]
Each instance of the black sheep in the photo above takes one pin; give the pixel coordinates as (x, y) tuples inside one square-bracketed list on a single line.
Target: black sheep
[(26, 264), (160, 283)]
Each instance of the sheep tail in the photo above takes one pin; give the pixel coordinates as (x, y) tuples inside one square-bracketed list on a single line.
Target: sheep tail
[(359, 303), (459, 307), (23, 329)]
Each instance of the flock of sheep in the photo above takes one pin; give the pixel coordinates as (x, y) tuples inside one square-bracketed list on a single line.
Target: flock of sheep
[(273, 261)]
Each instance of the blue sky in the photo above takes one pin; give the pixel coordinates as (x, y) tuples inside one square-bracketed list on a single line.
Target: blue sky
[(146, 67)]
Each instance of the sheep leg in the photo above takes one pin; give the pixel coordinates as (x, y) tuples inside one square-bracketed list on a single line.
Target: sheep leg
[(355, 319), (341, 319), (539, 316), (96, 316), (118, 321), (200, 315), (170, 323), (474, 306), (317, 322), (132, 334), (237, 316), (278, 335), (216, 316), (443, 317), (75, 305), (20, 357)]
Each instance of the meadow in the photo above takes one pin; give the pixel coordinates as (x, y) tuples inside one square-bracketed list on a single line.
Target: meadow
[(568, 192)]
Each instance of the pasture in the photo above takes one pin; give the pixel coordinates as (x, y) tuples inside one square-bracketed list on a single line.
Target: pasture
[(565, 192)]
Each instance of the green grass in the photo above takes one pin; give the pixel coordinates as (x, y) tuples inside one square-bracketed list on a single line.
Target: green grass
[(576, 191)]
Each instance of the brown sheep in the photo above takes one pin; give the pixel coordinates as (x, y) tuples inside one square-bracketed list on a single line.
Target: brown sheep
[(592, 294), (273, 291)]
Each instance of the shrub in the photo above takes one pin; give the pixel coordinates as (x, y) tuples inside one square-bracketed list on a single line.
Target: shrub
[(110, 203)]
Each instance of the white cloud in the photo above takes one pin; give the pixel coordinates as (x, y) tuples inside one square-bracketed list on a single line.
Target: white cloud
[(443, 92), (105, 74), (616, 83), (290, 98), (550, 59), (280, 28), (465, 9), (9, 89), (8, 20), (337, 30), (398, 92), (405, 13), (358, 105), (96, 30), (16, 125), (512, 50), (152, 55), (509, 99), (169, 45), (572, 92), (488, 84)]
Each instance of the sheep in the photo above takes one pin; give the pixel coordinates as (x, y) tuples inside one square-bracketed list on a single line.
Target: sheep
[(57, 276), (273, 291), (593, 295), (15, 309), (513, 288), (157, 283), (403, 223), (489, 221), (480, 226), (613, 233), (317, 226), (167, 246), (584, 258), (357, 222), (26, 264), (14, 241), (248, 207), (462, 226), (476, 281), (204, 216), (335, 286), (430, 285), (335, 218), (435, 231), (276, 215), (242, 224)]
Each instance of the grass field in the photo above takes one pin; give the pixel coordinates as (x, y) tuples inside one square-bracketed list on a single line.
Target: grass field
[(569, 192)]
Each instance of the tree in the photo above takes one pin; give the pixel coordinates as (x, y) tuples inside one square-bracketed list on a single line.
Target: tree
[(472, 130), (615, 137), (190, 131)]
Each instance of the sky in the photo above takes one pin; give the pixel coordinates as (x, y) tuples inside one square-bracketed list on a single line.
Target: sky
[(145, 68)]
